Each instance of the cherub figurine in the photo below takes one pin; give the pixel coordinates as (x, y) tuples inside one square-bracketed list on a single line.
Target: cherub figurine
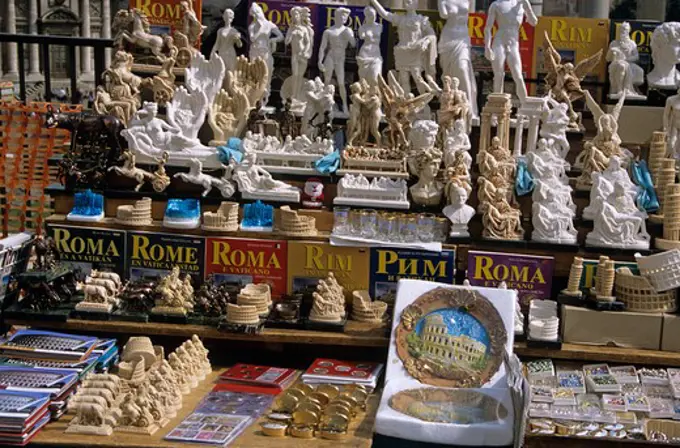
[(564, 79)]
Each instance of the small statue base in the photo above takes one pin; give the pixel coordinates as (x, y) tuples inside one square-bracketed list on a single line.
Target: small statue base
[(242, 328), (273, 196), (571, 241), (208, 157), (594, 242), (85, 218), (169, 310), (149, 430), (256, 228), (377, 203), (94, 307), (177, 223), (103, 430), (661, 243), (300, 164), (395, 169), (229, 228), (323, 325), (566, 292)]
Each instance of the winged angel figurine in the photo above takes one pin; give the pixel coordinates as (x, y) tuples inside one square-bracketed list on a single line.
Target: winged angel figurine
[(564, 79), (245, 87), (400, 109), (598, 152)]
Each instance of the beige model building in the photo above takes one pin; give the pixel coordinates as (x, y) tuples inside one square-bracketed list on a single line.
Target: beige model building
[(294, 224), (575, 275), (257, 295), (664, 178), (242, 314), (136, 215), (365, 310), (225, 219), (497, 109)]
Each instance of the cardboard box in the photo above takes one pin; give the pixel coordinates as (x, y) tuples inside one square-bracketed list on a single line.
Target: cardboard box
[(621, 328), (670, 339)]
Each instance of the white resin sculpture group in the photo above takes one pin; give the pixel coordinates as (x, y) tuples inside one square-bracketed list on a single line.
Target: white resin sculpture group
[(391, 133)]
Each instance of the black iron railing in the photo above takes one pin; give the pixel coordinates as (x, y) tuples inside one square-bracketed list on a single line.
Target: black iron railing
[(71, 44)]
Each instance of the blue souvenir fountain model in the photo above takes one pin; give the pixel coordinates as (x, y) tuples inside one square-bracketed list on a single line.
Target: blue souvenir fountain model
[(258, 217), (182, 214), (87, 206)]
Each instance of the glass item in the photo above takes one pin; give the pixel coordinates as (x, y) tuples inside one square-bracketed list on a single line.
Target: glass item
[(355, 222), (257, 216), (182, 213), (369, 223), (425, 227), (388, 229), (87, 206), (341, 220), (408, 229), (441, 229)]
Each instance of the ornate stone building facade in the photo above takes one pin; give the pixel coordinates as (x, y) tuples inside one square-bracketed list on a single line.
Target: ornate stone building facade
[(438, 343), (76, 18)]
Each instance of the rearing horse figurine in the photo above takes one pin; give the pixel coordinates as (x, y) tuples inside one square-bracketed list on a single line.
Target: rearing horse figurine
[(138, 34)]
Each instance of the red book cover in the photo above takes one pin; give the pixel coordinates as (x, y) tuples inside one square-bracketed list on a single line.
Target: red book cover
[(345, 371), (259, 375)]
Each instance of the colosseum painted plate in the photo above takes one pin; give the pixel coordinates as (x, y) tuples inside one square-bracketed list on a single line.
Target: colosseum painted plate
[(451, 338), (458, 406)]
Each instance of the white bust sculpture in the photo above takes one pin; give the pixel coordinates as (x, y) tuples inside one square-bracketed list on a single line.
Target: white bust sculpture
[(458, 212), (369, 59), (620, 224), (336, 39), (416, 49), (457, 141), (424, 160), (671, 124), (508, 14), (554, 124), (228, 37), (665, 55), (552, 221), (264, 36), (454, 47), (300, 38)]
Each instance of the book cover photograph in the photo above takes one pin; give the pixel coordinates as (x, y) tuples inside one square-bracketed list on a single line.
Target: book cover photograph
[(240, 261), (84, 249), (310, 261), (153, 255), (388, 266), (530, 275), (164, 16)]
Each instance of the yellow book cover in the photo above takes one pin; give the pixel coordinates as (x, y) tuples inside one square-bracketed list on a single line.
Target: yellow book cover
[(575, 39), (308, 261)]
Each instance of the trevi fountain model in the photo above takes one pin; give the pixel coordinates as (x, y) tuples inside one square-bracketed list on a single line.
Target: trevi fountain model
[(450, 366)]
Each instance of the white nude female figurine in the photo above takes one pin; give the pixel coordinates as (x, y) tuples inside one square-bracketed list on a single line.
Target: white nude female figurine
[(508, 14), (454, 47), (370, 59), (416, 51), (300, 37), (264, 36), (228, 38), (338, 38)]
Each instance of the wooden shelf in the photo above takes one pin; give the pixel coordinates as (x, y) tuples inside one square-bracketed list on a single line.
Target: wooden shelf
[(360, 431), (354, 336), (374, 338)]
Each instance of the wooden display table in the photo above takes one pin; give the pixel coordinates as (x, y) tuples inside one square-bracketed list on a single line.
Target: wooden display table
[(360, 432)]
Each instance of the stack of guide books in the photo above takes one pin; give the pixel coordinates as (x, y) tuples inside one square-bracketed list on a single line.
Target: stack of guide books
[(38, 344), (22, 415), (333, 371), (253, 378)]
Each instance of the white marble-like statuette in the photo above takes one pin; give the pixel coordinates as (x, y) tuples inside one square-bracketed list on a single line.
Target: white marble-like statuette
[(620, 224), (197, 177), (228, 39), (369, 59), (318, 106), (254, 182), (624, 73), (416, 51), (502, 46), (552, 219), (603, 187), (671, 124), (665, 55), (300, 38), (424, 161), (454, 47), (380, 192), (264, 36), (455, 142), (458, 212), (336, 39), (554, 124)]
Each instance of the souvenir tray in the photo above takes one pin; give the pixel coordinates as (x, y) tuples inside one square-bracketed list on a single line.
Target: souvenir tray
[(47, 345)]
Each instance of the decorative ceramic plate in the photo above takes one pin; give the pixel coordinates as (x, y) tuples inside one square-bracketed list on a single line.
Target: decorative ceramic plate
[(451, 338), (458, 406)]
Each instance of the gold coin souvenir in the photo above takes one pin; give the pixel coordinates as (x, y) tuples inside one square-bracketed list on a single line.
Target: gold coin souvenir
[(280, 417), (351, 401), (321, 398), (332, 435), (273, 429), (338, 408), (359, 395), (309, 405), (305, 418), (300, 395), (302, 432), (353, 387), (287, 403), (305, 388), (337, 422), (330, 390)]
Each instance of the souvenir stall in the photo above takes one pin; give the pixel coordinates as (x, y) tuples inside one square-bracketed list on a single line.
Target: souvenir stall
[(445, 219)]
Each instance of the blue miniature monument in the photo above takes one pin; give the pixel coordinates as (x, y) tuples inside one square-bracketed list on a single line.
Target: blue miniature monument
[(87, 206), (258, 217), (182, 214)]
